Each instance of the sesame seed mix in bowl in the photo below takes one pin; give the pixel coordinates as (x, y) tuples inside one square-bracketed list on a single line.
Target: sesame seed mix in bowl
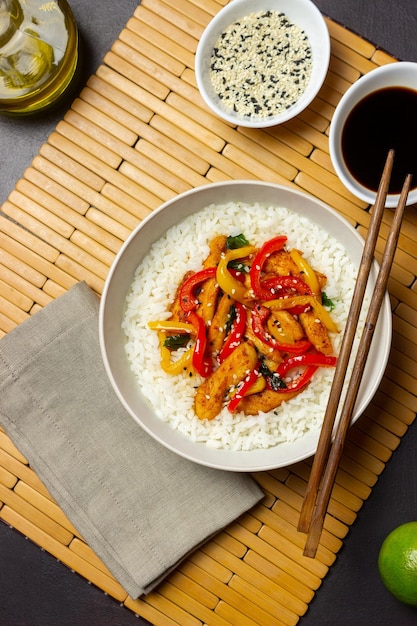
[(261, 64)]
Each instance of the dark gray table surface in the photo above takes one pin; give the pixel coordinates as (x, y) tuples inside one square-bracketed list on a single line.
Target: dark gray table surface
[(20, 139), (35, 589)]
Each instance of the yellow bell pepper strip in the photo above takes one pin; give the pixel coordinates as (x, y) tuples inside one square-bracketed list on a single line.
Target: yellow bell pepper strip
[(294, 301), (227, 282), (173, 367), (172, 326), (259, 316), (312, 361), (201, 362), (248, 382), (309, 275), (278, 333), (182, 331), (287, 286), (236, 334), (273, 245), (187, 297)]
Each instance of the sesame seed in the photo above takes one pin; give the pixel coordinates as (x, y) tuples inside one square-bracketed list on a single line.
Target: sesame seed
[(261, 64)]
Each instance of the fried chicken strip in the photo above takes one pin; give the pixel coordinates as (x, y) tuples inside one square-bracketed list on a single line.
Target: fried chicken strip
[(316, 332), (210, 395), (266, 400)]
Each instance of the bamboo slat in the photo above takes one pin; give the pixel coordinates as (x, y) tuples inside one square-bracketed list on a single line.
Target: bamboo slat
[(7, 479), (138, 134)]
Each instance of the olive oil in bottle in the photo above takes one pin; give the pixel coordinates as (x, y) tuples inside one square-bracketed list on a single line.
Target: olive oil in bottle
[(38, 54)]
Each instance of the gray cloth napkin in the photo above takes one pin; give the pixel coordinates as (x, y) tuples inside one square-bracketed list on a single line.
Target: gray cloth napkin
[(139, 506)]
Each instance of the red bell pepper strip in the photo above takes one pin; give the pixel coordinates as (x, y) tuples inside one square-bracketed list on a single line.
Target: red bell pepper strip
[(273, 245), (188, 300), (201, 362), (281, 286), (300, 382), (312, 358), (236, 334), (238, 274), (297, 310), (247, 384), (259, 316), (312, 361)]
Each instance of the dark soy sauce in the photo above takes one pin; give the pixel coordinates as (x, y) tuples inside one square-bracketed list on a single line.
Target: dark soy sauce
[(383, 120)]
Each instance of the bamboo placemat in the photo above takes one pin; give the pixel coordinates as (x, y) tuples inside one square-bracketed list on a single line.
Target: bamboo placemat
[(137, 135)]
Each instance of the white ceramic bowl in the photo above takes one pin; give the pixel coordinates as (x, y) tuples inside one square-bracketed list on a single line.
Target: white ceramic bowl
[(300, 12), (401, 74), (112, 339)]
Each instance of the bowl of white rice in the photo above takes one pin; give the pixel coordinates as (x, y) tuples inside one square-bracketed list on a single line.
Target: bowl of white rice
[(259, 63), (142, 283)]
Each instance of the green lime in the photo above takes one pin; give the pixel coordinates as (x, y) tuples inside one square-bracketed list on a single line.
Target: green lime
[(397, 563)]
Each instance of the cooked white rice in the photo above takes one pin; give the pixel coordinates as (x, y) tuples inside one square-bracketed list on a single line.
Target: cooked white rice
[(183, 248)]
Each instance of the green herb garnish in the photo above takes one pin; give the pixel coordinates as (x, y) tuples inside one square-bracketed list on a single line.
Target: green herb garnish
[(173, 342), (230, 319), (274, 380), (239, 266), (239, 241), (327, 302)]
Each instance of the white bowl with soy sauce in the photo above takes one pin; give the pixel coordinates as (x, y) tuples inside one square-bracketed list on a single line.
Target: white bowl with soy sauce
[(376, 114)]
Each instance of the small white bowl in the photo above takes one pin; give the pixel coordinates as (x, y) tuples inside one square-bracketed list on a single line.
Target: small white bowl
[(402, 74), (302, 13), (118, 284)]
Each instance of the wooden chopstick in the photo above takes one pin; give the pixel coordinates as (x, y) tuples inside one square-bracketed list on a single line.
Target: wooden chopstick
[(323, 445), (324, 494), (314, 505)]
